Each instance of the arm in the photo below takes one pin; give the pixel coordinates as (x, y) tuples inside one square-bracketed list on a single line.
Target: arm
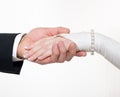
[(6, 63), (60, 54), (104, 45), (8, 51), (7, 40)]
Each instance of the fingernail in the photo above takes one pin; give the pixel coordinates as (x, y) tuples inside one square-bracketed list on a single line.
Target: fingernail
[(31, 58), (84, 54), (39, 58), (25, 55), (26, 47)]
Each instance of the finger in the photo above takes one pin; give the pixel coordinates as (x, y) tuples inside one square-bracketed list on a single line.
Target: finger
[(61, 30), (27, 47), (44, 61), (38, 53), (71, 51), (55, 53), (53, 58), (35, 47), (31, 52), (81, 53), (30, 46), (62, 51), (43, 55), (57, 30)]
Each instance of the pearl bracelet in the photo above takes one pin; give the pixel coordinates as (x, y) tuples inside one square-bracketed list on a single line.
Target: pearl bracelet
[(92, 42)]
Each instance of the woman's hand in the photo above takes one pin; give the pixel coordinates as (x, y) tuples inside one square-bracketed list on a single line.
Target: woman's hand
[(47, 47)]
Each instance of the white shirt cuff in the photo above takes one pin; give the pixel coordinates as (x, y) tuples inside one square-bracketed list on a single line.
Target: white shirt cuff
[(15, 46)]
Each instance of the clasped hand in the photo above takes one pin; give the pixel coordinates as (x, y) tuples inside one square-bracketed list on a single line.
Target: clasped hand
[(42, 46)]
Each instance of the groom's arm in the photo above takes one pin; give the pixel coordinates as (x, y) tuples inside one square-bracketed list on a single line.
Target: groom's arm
[(13, 47), (7, 64)]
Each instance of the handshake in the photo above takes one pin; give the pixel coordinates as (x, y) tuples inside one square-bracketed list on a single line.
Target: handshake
[(44, 45)]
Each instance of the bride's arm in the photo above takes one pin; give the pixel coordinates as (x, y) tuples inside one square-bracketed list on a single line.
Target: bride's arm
[(103, 45)]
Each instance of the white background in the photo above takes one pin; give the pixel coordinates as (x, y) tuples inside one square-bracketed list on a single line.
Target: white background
[(92, 76)]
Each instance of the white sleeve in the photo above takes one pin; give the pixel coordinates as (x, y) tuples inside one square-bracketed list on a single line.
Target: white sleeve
[(105, 46), (15, 46)]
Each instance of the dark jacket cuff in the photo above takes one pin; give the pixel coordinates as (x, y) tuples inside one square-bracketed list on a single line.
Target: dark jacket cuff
[(6, 47)]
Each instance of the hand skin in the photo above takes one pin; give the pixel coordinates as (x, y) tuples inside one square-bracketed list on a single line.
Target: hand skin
[(58, 52), (43, 48)]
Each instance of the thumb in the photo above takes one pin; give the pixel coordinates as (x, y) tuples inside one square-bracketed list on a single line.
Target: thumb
[(64, 30), (81, 53), (58, 30)]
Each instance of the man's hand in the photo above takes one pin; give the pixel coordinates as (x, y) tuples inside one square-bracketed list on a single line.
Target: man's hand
[(37, 34), (58, 50)]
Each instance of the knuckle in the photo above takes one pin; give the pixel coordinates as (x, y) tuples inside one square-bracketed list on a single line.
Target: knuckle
[(68, 58), (51, 59), (63, 51), (72, 52), (56, 54), (60, 61)]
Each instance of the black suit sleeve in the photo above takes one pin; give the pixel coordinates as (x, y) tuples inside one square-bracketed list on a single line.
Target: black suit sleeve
[(6, 47)]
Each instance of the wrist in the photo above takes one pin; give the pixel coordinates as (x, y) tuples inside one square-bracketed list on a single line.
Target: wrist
[(66, 41), (20, 50)]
